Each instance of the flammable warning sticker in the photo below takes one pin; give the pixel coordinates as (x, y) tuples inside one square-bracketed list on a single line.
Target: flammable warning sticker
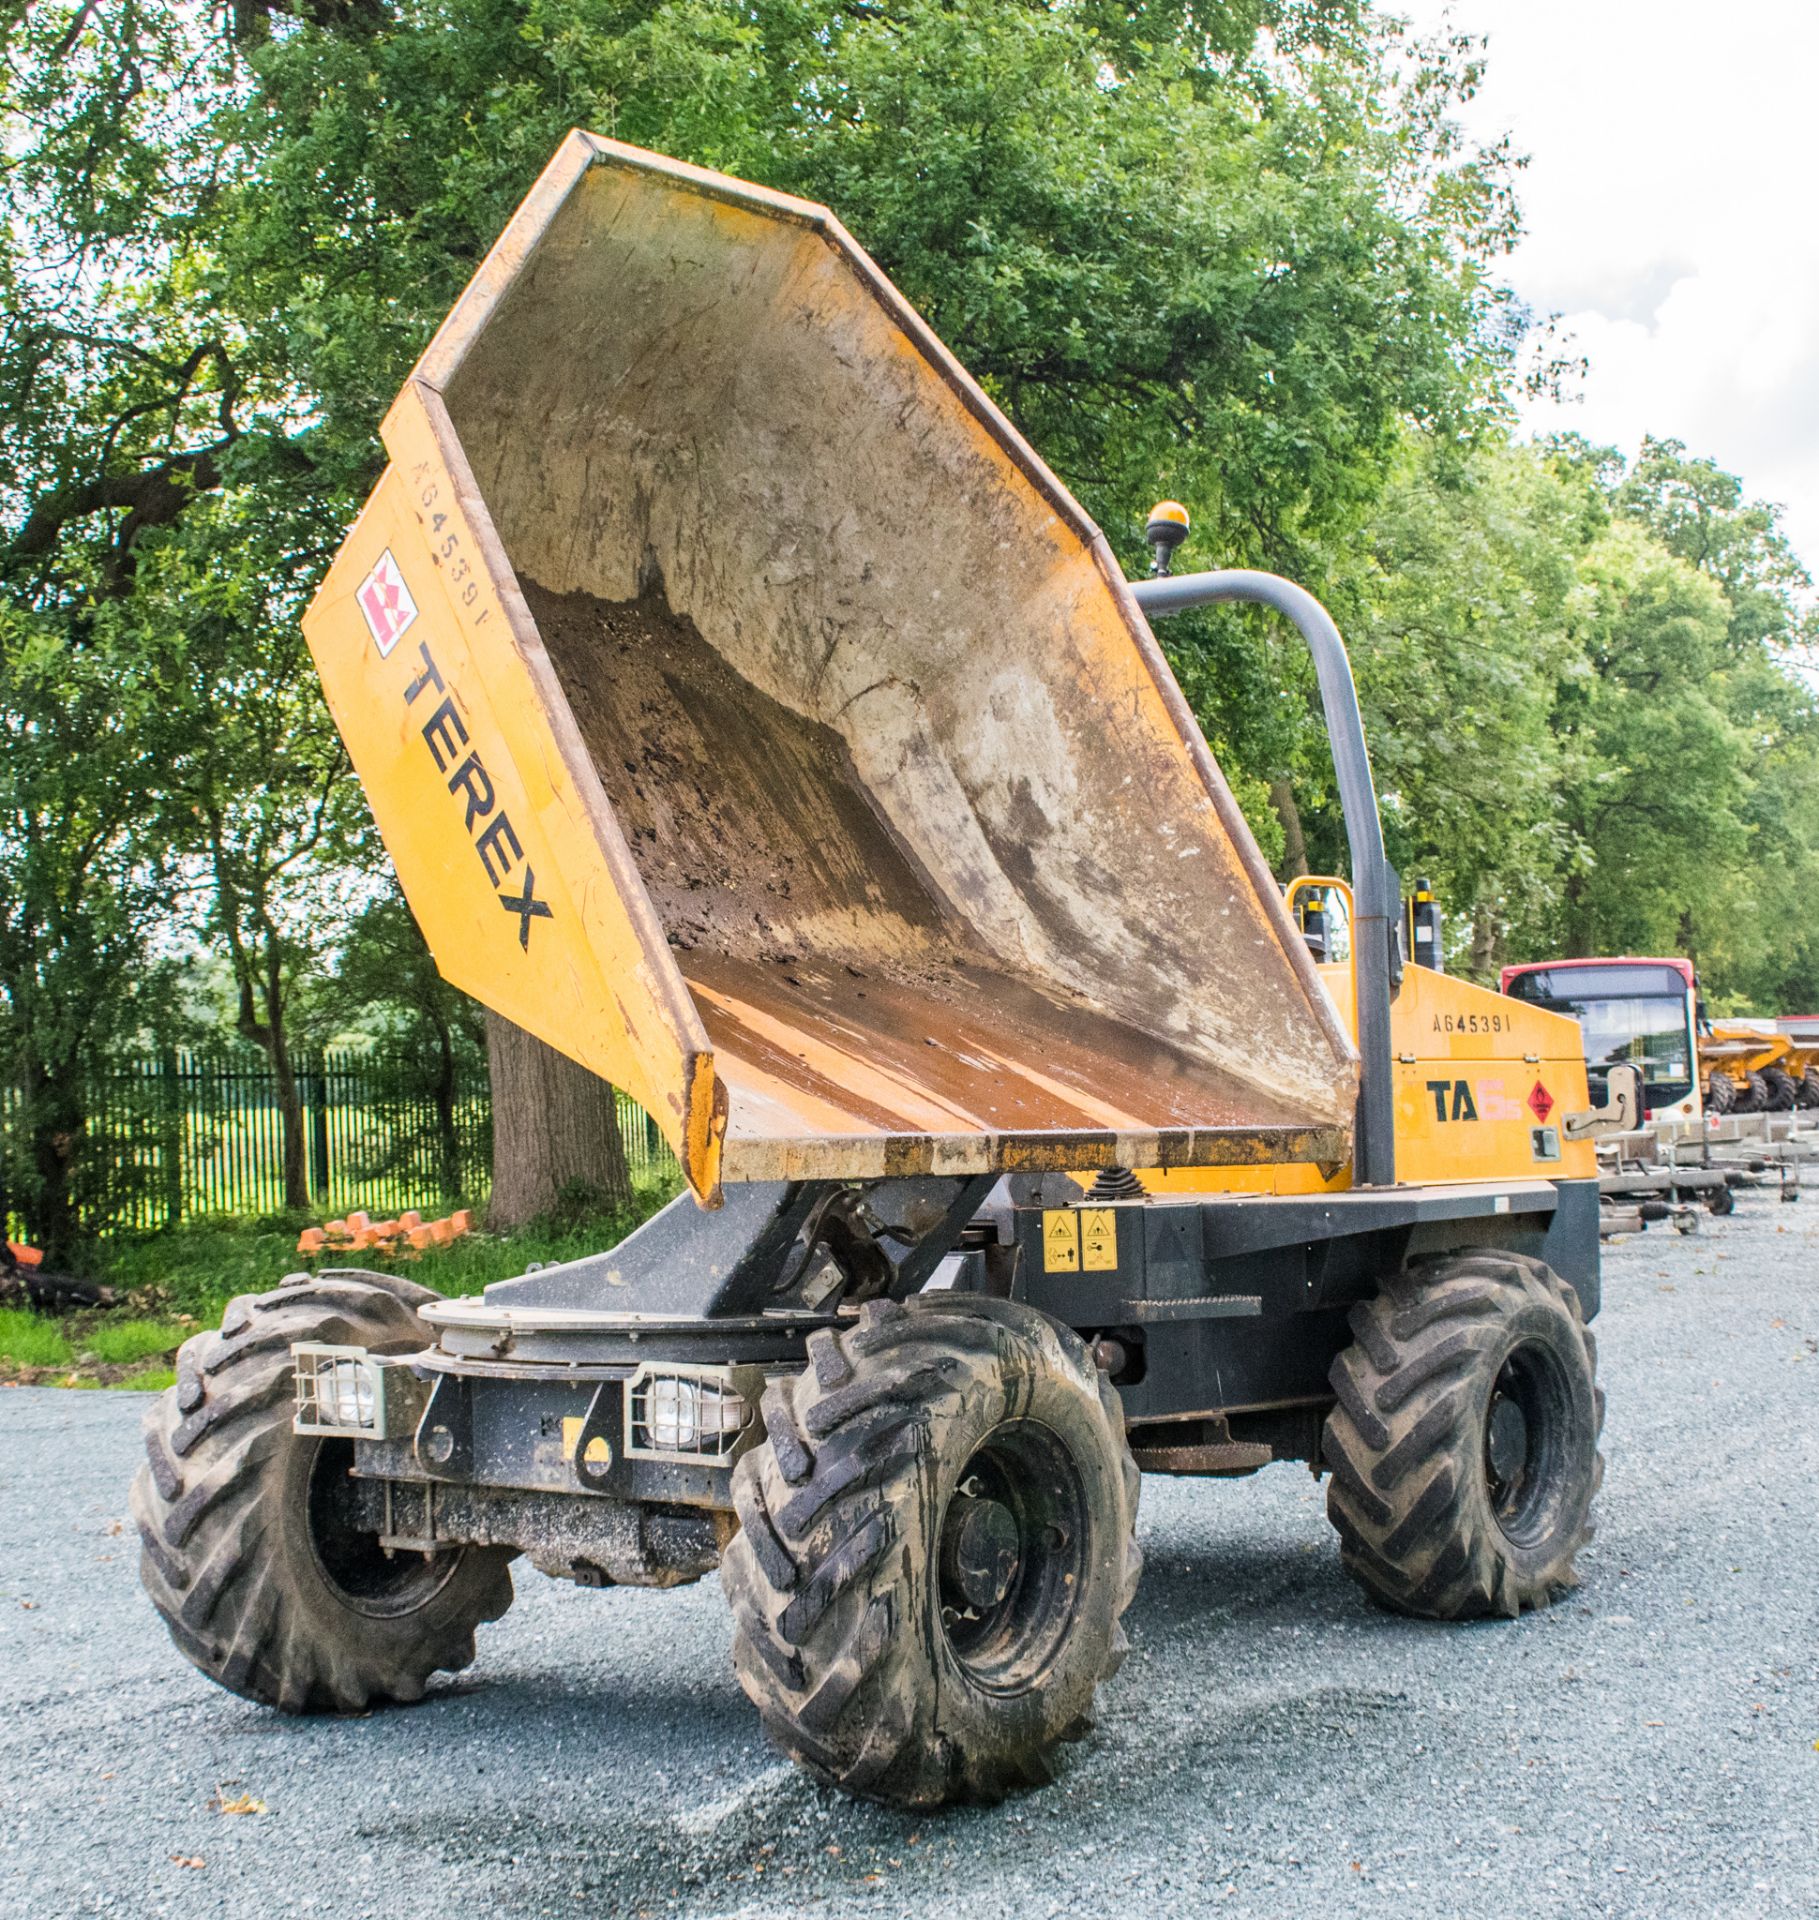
[(1060, 1240), (1098, 1239)]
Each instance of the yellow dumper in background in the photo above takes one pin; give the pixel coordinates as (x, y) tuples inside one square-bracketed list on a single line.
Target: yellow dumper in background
[(752, 716), (1759, 1066)]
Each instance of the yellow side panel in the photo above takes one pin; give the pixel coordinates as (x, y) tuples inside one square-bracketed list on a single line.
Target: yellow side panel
[(1297, 1178), (524, 890), (1476, 1075)]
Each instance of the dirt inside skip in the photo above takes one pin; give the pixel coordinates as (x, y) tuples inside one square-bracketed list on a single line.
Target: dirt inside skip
[(821, 954), (749, 825)]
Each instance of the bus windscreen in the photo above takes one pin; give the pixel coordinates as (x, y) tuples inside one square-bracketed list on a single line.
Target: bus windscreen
[(1635, 1015)]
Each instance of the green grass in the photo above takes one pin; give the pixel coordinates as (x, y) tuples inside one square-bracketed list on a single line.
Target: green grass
[(33, 1339), (173, 1283), (151, 1380), (37, 1340), (119, 1342)]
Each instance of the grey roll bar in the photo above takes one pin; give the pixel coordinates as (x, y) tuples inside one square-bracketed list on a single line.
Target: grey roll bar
[(1376, 891)]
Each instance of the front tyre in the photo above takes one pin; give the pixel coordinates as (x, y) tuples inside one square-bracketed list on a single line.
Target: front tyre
[(250, 1550), (937, 1546), (1464, 1445), (1781, 1091)]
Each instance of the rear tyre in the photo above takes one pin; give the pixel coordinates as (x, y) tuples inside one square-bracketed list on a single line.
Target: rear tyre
[(1720, 1092), (1464, 1445), (1808, 1095), (249, 1550), (1752, 1097), (1780, 1090), (936, 1549)]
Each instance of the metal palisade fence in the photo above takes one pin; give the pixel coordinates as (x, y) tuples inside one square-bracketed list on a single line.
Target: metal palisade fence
[(191, 1132)]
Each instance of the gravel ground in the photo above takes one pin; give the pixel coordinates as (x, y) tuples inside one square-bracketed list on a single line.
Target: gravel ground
[(1274, 1747)]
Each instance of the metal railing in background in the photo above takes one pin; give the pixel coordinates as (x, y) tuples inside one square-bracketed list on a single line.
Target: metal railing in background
[(191, 1132)]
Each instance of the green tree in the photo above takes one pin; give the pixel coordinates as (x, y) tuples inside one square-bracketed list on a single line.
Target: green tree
[(256, 799), (85, 893), (430, 1034), (1763, 943), (1654, 780), (1460, 646), (1698, 511)]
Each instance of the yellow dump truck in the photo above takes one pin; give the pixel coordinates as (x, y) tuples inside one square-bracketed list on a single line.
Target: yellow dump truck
[(1802, 1063), (753, 716), (1758, 1066)]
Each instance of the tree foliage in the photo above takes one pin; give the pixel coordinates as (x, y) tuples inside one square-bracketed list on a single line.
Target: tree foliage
[(1589, 697)]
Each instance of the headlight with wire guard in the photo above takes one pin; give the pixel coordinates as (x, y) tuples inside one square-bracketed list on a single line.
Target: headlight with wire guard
[(684, 1413)]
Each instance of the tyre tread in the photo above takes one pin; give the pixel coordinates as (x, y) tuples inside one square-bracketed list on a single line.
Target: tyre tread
[(201, 1505), (1396, 1445), (821, 1579)]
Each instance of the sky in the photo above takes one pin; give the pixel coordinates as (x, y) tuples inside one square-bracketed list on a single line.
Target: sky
[(1671, 203)]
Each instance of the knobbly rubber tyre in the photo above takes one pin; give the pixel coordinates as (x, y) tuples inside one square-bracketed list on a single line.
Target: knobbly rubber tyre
[(1780, 1090), (1752, 1098), (242, 1554), (1808, 1092), (841, 1579), (1720, 1092), (1426, 1524)]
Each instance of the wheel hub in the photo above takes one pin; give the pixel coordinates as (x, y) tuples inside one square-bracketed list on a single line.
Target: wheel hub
[(366, 1576), (1010, 1557), (1527, 1441), (979, 1550), (1506, 1439)]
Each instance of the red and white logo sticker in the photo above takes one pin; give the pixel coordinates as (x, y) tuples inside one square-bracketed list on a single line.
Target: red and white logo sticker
[(386, 603)]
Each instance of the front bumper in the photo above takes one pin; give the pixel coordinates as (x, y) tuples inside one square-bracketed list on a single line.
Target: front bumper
[(666, 1431)]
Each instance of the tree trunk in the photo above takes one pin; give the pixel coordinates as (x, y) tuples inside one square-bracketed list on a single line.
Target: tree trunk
[(1487, 943), (56, 1125), (290, 1117), (270, 1033), (261, 984), (555, 1131), (170, 1133), (1294, 841)]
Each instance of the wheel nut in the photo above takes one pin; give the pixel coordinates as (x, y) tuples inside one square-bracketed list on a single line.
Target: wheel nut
[(980, 1551)]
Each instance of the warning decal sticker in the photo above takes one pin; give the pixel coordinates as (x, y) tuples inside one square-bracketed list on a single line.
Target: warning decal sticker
[(1060, 1240), (385, 603), (1098, 1239)]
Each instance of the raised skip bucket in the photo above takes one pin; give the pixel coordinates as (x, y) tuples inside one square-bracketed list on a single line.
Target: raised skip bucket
[(753, 717)]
